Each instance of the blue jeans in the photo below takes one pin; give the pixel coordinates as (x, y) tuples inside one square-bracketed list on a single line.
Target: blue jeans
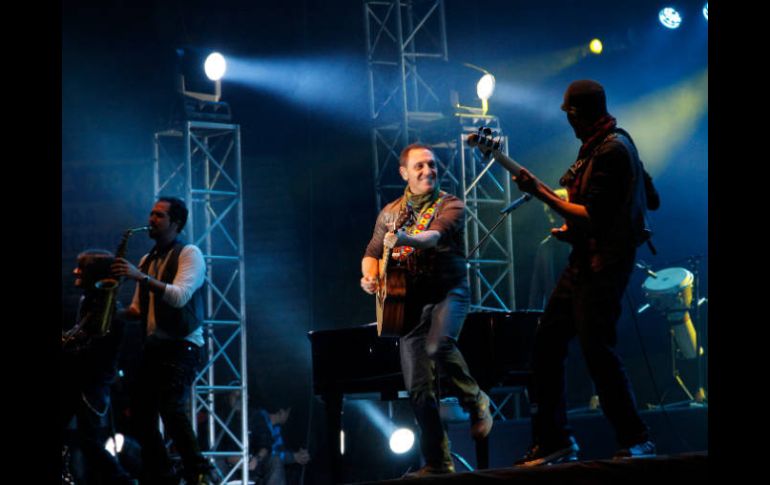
[(432, 343)]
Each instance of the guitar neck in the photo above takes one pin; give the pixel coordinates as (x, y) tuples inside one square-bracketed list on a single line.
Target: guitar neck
[(514, 168), (507, 162), (384, 261)]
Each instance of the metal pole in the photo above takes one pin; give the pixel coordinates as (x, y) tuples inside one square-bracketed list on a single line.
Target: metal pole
[(402, 72)]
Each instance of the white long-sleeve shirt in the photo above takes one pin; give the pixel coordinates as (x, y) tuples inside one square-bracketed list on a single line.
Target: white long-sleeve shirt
[(190, 275)]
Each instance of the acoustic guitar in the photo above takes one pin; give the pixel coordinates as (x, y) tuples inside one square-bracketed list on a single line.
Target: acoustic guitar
[(391, 293)]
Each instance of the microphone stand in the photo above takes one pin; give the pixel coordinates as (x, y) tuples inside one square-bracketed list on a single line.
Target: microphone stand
[(511, 207)]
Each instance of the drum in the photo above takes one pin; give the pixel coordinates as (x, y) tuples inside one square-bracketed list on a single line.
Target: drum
[(670, 292)]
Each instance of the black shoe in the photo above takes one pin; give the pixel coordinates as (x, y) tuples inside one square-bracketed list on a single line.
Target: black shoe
[(539, 455), (429, 470), (645, 449)]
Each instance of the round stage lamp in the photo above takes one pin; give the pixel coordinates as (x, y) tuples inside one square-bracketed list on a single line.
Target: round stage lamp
[(596, 46), (115, 446), (215, 66), (401, 441), (670, 18), (485, 87)]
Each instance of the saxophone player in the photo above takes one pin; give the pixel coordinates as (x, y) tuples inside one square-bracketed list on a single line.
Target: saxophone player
[(88, 368), (169, 303)]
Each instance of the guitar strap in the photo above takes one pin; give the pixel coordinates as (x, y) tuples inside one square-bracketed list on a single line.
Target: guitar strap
[(401, 253)]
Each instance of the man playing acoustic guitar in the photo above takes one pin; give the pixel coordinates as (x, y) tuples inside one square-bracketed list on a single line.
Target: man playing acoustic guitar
[(421, 234)]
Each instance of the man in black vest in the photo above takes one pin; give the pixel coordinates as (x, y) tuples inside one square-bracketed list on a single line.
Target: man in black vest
[(169, 302), (605, 214)]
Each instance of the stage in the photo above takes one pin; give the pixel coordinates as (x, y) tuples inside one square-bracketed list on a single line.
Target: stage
[(679, 432), (694, 466)]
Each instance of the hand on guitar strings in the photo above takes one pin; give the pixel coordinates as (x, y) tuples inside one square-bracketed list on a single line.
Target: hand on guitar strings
[(392, 240)]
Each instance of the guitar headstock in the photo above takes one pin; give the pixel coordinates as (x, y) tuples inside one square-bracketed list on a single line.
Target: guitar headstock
[(486, 139)]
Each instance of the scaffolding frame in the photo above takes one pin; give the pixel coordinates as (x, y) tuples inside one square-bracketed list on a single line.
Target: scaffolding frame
[(399, 34), (486, 189), (201, 163)]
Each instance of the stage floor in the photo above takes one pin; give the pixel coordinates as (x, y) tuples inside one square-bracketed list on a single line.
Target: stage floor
[(680, 434), (676, 430), (690, 467)]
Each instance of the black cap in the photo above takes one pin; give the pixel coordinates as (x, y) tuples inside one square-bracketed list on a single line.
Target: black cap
[(586, 99)]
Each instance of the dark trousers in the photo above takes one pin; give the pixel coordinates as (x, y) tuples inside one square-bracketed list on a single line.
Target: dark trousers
[(585, 303), (430, 344), (163, 385), (85, 395)]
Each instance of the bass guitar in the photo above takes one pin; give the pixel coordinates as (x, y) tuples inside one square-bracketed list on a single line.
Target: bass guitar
[(489, 144)]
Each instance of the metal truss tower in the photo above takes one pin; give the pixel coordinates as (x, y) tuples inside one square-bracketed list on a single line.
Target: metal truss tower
[(202, 164), (486, 189), (400, 36), (407, 105)]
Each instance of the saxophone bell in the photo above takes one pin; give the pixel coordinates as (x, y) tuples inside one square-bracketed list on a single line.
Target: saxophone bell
[(106, 284)]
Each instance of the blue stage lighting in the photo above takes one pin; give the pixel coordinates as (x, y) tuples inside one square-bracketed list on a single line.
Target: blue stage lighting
[(215, 66), (401, 440), (670, 18), (706, 11)]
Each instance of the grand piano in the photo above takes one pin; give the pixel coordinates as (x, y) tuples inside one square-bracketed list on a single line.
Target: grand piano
[(496, 345)]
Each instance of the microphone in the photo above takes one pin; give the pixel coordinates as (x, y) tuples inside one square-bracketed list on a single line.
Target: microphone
[(516, 203), (642, 265)]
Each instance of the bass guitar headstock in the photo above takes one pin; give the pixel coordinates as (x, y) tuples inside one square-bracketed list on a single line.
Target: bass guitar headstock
[(486, 140)]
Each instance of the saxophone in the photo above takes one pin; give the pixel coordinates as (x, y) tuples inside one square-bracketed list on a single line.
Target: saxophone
[(98, 324)]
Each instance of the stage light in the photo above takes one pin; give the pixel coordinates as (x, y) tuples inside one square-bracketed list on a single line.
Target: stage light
[(114, 446), (199, 81), (342, 442), (401, 441), (706, 11), (215, 66), (596, 46), (670, 18), (485, 87)]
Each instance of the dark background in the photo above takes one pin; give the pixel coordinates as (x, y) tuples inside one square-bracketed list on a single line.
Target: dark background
[(307, 165)]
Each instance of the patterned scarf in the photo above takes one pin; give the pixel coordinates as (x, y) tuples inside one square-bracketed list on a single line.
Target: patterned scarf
[(417, 203), (418, 212)]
